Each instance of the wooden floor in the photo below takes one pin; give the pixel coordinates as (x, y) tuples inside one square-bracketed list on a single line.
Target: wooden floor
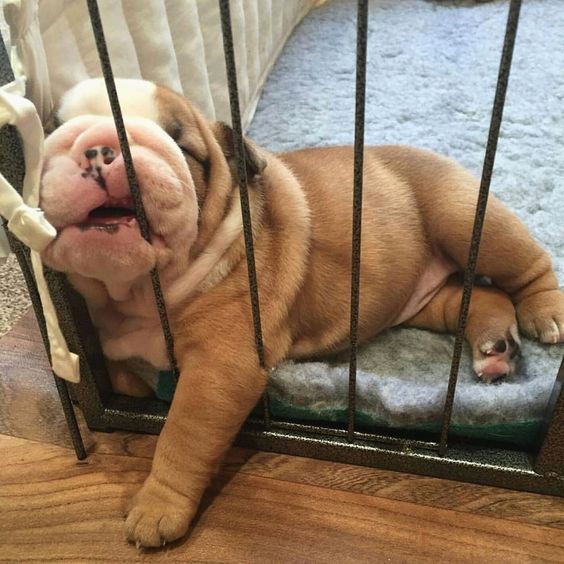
[(265, 508), (260, 508)]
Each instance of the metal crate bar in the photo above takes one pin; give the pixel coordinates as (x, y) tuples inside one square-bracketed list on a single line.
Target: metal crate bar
[(361, 41), (140, 214), (489, 159), (505, 468), (465, 459), (550, 459), (12, 167), (231, 68), (61, 385), (311, 428)]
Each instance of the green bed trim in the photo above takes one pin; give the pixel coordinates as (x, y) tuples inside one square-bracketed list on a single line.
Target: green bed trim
[(166, 384), (521, 433)]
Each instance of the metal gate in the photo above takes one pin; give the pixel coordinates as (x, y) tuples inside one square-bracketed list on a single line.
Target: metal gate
[(541, 470)]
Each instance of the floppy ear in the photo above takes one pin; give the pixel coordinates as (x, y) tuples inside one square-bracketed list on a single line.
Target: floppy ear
[(254, 162)]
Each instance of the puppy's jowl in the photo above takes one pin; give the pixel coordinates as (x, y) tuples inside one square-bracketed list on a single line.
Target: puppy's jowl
[(417, 219)]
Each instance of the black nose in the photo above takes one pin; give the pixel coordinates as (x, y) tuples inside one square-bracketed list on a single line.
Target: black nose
[(100, 155), (108, 155), (97, 158)]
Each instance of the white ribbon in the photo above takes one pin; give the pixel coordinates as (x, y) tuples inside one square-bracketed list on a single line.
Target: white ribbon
[(26, 221)]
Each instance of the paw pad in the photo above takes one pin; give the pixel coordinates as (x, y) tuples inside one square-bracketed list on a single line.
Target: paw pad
[(496, 359)]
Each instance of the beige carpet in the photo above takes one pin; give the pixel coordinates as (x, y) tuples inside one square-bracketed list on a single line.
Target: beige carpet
[(14, 298)]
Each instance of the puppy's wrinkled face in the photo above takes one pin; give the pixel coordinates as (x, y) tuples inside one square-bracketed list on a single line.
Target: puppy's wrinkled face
[(85, 193)]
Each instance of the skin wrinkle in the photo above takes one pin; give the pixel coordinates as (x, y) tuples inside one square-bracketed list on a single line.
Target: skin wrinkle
[(418, 207)]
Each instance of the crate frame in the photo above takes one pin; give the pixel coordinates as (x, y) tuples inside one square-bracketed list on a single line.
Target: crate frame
[(539, 470)]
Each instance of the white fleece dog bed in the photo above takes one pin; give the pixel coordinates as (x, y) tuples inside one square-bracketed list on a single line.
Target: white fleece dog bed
[(432, 70)]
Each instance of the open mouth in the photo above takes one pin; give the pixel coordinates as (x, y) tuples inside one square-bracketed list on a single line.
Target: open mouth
[(110, 216)]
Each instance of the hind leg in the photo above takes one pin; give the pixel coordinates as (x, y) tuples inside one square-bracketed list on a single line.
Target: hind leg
[(508, 253), (491, 330), (522, 268)]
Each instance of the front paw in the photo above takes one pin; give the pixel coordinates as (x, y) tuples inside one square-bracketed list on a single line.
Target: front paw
[(158, 515)]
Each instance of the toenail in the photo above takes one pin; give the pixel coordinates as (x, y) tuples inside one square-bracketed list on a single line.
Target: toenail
[(500, 346)]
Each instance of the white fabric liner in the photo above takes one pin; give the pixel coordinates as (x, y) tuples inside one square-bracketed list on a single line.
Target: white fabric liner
[(177, 43)]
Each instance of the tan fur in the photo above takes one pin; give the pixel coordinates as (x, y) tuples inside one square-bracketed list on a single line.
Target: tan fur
[(418, 208)]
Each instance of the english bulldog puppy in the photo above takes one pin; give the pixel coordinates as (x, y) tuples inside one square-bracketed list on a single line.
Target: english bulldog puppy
[(418, 214)]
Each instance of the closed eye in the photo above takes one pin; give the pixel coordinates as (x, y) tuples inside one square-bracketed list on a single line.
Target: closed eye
[(203, 162), (188, 153)]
